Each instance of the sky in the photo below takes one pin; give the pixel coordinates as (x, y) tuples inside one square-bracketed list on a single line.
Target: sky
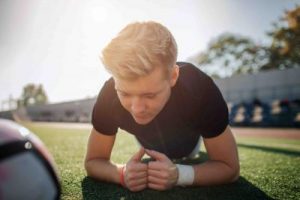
[(57, 43)]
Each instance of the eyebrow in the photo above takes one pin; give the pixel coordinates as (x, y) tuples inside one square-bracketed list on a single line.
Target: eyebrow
[(143, 94)]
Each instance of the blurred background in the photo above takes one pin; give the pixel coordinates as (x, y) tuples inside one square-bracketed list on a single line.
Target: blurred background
[(49, 54)]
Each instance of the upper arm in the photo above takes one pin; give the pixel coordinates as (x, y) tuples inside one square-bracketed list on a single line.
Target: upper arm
[(99, 146), (223, 148)]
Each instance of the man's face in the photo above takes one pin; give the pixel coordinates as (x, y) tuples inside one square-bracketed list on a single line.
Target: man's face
[(146, 96)]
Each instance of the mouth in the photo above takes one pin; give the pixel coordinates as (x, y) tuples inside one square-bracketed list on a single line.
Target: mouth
[(143, 117), (140, 116)]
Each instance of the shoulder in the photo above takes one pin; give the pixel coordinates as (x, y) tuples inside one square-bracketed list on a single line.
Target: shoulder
[(107, 91), (190, 68), (106, 105), (109, 85), (204, 100), (193, 79)]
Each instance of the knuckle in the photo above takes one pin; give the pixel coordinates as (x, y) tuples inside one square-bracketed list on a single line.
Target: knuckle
[(144, 186), (145, 180), (145, 174), (165, 167), (145, 167), (150, 165), (165, 175), (130, 183), (127, 169), (150, 178), (130, 176), (164, 183), (151, 186)]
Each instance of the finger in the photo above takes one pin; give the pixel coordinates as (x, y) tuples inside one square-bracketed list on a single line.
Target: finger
[(136, 182), (157, 187), (156, 155), (155, 165), (138, 187), (138, 155), (158, 181), (157, 174), (137, 175), (137, 167)]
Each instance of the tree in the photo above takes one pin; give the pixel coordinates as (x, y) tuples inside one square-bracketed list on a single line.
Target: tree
[(235, 54), (238, 54), (33, 95), (285, 48)]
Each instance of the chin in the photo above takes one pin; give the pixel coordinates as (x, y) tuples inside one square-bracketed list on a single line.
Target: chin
[(143, 121)]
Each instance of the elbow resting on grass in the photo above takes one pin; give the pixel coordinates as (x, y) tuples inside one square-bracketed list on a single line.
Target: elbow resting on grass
[(88, 165), (235, 173)]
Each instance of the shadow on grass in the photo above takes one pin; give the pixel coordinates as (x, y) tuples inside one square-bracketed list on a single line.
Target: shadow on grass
[(242, 189), (271, 149)]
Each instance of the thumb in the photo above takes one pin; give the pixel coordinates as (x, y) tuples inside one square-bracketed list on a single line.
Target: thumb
[(156, 155), (138, 155)]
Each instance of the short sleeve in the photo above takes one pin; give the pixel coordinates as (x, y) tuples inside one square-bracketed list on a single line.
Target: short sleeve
[(209, 112), (214, 111), (102, 117)]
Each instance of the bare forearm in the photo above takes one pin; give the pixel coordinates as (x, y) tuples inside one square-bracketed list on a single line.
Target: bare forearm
[(215, 173), (104, 170)]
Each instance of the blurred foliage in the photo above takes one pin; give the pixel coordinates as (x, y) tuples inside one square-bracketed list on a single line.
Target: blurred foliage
[(240, 55), (236, 54), (285, 48), (33, 95)]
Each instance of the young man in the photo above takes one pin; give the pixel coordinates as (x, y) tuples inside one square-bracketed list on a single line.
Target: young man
[(167, 106)]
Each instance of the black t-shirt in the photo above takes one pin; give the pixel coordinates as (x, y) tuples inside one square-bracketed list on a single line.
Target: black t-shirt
[(195, 108)]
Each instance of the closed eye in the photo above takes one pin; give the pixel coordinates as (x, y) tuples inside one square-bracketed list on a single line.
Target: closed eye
[(123, 94), (150, 96)]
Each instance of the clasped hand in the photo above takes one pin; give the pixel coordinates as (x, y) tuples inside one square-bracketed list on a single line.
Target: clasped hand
[(160, 174)]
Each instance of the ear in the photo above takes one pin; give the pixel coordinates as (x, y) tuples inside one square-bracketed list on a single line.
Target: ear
[(174, 75)]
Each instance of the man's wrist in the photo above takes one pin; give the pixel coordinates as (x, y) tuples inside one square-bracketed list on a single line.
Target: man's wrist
[(122, 176), (186, 175)]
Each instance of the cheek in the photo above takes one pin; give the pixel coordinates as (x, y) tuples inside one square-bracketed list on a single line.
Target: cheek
[(158, 104), (161, 102), (125, 102)]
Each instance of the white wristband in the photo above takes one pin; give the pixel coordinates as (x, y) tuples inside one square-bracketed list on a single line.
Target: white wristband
[(186, 175)]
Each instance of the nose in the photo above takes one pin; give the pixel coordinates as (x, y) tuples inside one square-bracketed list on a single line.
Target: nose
[(137, 105)]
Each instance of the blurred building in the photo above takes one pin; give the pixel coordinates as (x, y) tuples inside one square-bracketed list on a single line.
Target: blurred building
[(74, 111), (266, 86)]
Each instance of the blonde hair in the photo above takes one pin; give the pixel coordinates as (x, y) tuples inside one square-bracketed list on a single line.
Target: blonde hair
[(138, 49)]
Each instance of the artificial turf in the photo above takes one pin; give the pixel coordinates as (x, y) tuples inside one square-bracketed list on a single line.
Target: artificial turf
[(269, 168)]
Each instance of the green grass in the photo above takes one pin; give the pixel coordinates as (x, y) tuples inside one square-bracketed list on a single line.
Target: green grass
[(270, 168)]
